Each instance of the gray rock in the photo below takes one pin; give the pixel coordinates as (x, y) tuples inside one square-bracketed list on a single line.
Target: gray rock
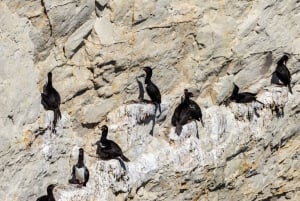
[(66, 16), (76, 39)]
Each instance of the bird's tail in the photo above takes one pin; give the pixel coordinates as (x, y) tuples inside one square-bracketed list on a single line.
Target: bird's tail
[(159, 108), (290, 88), (57, 116), (124, 158), (202, 122), (260, 102), (178, 129)]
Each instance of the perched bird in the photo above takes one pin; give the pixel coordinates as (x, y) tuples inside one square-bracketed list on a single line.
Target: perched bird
[(187, 110), (51, 100), (195, 109), (244, 97), (108, 149), (182, 113), (152, 89), (80, 173), (283, 73), (49, 196)]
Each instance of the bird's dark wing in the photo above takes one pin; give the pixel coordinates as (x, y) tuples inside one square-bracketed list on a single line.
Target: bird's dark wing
[(57, 98), (247, 94), (153, 92), (113, 149), (86, 175), (43, 198), (73, 178), (195, 110), (283, 74), (185, 116), (176, 114), (245, 97)]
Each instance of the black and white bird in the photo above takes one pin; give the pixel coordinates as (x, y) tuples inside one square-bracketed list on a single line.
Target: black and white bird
[(283, 73), (49, 196), (51, 100), (244, 97), (152, 90), (108, 149), (80, 173)]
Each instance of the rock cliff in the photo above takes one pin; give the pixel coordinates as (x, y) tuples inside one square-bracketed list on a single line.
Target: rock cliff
[(95, 50)]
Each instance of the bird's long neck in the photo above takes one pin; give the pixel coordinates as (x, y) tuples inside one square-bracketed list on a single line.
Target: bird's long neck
[(186, 99), (148, 78), (49, 80), (282, 61), (235, 91), (80, 160), (50, 194), (103, 136)]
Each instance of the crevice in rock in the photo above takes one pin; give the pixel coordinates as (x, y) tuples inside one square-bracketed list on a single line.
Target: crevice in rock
[(199, 45), (283, 141), (143, 185), (46, 13), (216, 187), (275, 196), (251, 173), (241, 150), (139, 22), (111, 62), (92, 125), (78, 93)]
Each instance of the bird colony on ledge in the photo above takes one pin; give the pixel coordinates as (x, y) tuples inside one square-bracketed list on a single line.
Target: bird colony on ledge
[(245, 106)]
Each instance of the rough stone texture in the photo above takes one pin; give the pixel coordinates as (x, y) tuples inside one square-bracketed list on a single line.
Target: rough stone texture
[(96, 49)]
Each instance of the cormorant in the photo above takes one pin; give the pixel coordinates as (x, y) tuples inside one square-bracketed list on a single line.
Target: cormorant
[(51, 100), (187, 110), (80, 173), (244, 97), (108, 149), (151, 88), (283, 72), (195, 109), (182, 113), (49, 196)]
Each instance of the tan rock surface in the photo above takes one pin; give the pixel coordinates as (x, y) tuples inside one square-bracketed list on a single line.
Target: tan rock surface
[(95, 50)]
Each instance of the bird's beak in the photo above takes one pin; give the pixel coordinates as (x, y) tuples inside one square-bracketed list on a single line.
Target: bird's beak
[(142, 75)]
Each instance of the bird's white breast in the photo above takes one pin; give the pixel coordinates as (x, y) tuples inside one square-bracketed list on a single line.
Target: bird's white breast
[(79, 173)]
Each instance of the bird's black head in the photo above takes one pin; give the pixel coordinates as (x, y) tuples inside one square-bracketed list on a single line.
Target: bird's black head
[(235, 91), (50, 188), (147, 69), (104, 128), (283, 60), (50, 75), (81, 151), (185, 92), (190, 94)]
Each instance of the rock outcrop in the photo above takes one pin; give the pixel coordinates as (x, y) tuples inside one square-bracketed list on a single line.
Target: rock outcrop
[(95, 50)]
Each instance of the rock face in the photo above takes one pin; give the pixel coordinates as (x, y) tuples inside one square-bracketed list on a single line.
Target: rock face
[(95, 50)]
